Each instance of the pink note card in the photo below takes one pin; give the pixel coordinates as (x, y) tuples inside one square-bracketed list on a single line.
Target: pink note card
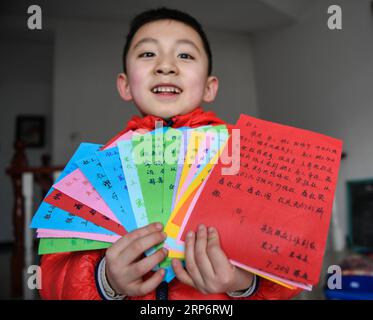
[(76, 186)]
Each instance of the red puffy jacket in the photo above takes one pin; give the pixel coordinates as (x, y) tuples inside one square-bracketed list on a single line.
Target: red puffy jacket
[(71, 275)]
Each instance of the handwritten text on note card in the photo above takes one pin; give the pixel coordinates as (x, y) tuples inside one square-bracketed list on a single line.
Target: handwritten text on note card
[(273, 215)]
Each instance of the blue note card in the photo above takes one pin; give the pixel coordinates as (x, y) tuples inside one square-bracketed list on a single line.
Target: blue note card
[(112, 166), (51, 217), (94, 172)]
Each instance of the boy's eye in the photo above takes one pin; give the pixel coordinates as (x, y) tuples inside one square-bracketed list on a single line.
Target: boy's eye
[(185, 56), (147, 54)]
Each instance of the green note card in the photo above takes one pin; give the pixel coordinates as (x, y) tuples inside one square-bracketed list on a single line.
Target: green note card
[(55, 245)]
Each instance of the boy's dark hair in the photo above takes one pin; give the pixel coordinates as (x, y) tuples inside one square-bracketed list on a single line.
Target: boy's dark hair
[(165, 14)]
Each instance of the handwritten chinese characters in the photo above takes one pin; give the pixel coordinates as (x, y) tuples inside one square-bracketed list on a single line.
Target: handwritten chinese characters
[(273, 215)]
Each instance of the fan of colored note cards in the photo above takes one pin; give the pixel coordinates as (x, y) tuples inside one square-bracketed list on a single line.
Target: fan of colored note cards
[(267, 188)]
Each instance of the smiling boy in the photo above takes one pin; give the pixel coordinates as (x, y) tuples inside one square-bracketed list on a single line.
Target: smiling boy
[(167, 70), (167, 74)]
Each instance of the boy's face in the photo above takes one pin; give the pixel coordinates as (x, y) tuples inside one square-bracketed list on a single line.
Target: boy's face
[(167, 70)]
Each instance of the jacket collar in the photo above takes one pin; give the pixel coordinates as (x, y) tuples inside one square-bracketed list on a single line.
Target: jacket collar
[(195, 118)]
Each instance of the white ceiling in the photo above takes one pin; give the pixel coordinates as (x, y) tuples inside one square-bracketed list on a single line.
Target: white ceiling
[(235, 15)]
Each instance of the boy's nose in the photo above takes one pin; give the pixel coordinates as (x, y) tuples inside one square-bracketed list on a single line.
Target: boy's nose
[(165, 71), (166, 68)]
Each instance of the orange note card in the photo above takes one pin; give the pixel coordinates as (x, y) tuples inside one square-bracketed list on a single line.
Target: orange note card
[(274, 213)]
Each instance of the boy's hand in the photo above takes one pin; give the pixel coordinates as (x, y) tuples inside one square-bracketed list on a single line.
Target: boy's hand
[(207, 267), (125, 265)]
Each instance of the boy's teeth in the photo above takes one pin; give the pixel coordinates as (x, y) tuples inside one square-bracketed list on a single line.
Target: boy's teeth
[(165, 89)]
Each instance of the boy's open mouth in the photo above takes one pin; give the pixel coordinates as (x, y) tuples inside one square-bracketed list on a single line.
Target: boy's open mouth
[(166, 90)]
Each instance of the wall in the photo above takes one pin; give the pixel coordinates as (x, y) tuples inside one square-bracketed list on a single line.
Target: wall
[(311, 77), (25, 88)]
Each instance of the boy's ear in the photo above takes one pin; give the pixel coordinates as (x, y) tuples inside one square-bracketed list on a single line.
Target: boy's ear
[(123, 87), (211, 89)]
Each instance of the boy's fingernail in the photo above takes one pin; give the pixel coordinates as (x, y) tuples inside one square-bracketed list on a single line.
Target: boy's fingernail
[(159, 226), (190, 234), (164, 234), (201, 227), (211, 229)]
